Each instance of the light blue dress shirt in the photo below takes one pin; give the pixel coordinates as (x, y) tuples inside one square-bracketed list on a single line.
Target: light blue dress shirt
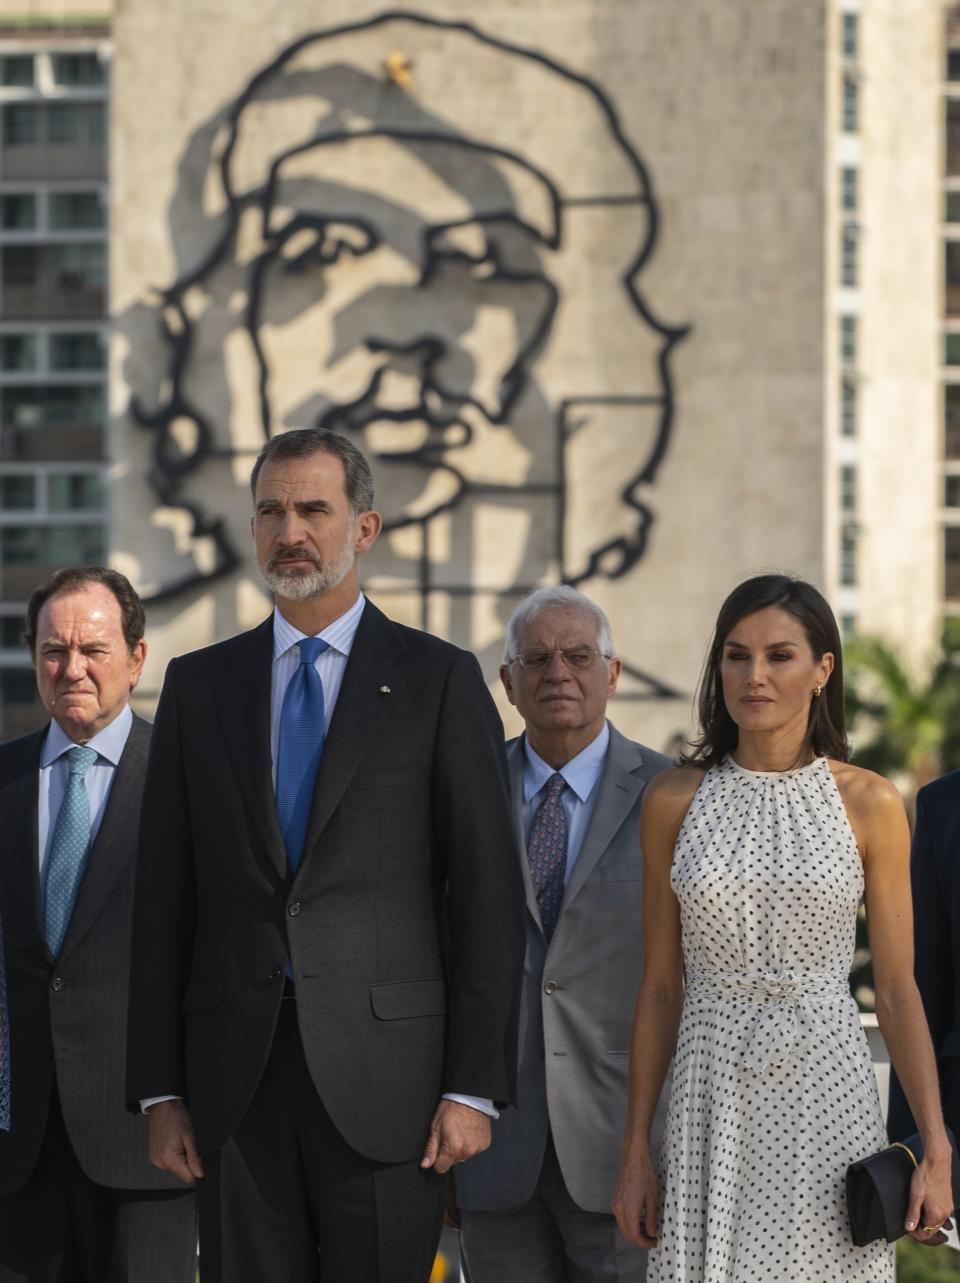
[(55, 771), (582, 774)]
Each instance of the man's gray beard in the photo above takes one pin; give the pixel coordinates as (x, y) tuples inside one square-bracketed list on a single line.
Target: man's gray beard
[(300, 585)]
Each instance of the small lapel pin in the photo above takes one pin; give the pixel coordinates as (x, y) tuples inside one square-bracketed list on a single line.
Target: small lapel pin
[(384, 690)]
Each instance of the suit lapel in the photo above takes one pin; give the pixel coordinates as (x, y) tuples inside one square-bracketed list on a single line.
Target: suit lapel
[(617, 790), (21, 859), (116, 842), (360, 712), (242, 695), (515, 765)]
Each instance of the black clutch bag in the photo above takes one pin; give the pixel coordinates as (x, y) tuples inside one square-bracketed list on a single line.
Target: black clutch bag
[(878, 1189)]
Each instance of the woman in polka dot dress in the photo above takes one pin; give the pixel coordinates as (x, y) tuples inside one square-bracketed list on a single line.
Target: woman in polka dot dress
[(757, 853)]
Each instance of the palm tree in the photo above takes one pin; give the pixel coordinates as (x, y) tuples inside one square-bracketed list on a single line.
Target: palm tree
[(904, 727)]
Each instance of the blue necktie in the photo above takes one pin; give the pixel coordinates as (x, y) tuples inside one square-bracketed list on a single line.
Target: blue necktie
[(68, 850), (547, 853), (302, 730)]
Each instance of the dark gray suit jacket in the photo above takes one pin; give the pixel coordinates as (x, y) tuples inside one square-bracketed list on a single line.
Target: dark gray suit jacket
[(403, 925), (70, 1017), (577, 1005)]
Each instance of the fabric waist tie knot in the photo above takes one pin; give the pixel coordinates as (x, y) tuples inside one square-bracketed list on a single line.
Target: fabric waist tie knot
[(782, 996)]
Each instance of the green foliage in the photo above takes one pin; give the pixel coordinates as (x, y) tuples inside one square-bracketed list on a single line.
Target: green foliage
[(918, 1264), (902, 725)]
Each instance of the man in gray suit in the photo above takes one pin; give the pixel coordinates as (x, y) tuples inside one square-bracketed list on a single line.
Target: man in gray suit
[(79, 1200), (535, 1207)]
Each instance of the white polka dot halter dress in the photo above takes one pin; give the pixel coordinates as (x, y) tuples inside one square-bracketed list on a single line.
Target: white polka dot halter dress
[(773, 1088)]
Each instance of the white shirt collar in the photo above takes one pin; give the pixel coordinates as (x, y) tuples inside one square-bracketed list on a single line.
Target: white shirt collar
[(580, 773), (108, 743), (339, 635)]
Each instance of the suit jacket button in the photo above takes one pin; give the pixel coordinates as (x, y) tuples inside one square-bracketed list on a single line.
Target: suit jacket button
[(56, 984), (551, 986), (294, 908)]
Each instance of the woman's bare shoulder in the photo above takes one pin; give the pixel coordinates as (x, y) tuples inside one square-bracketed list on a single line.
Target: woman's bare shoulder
[(861, 788), (672, 790)]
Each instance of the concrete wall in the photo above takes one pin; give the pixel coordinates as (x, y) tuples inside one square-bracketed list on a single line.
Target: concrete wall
[(725, 105)]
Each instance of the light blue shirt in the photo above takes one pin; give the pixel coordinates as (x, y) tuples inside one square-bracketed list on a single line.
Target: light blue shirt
[(578, 799), (331, 664), (55, 771)]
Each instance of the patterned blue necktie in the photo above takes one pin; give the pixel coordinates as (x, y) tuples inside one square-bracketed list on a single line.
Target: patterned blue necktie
[(68, 850), (302, 730), (547, 853)]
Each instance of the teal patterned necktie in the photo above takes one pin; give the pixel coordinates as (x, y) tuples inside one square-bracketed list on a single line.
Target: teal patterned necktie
[(68, 850)]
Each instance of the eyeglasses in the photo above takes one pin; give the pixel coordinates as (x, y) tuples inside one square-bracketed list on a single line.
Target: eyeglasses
[(575, 657)]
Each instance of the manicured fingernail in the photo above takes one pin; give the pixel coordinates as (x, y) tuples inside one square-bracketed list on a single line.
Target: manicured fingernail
[(911, 1225)]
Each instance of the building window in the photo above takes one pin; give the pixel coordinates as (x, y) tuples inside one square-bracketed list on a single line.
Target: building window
[(848, 626), (18, 353), (952, 349), (951, 421), (953, 64), (11, 631), (52, 545), (848, 256), (53, 405), (849, 118), (75, 492), (848, 189), (18, 492), (82, 351), (20, 124), (848, 488), (848, 558), (16, 71), (848, 339), (18, 211), (951, 562), (54, 279), (952, 277), (77, 211), (951, 492), (849, 34), (78, 69), (848, 407), (953, 137), (951, 211)]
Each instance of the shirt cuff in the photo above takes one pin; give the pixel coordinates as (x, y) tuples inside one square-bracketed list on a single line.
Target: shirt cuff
[(155, 1100), (475, 1102)]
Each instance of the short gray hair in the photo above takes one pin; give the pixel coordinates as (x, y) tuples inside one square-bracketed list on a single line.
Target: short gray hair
[(561, 597)]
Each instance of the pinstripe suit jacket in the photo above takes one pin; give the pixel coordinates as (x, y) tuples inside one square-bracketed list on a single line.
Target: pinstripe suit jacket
[(577, 1004), (70, 1016)]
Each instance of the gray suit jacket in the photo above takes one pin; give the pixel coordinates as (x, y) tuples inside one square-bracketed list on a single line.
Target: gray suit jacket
[(577, 1004)]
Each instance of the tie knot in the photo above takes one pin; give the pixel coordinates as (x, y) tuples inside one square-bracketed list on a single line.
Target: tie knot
[(310, 648), (81, 759), (555, 786)]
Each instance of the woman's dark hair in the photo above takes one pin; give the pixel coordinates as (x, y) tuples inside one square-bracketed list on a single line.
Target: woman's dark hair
[(826, 732)]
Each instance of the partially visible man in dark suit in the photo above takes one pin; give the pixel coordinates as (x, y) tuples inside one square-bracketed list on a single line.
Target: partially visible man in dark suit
[(78, 1199), (535, 1208), (935, 881), (328, 932)]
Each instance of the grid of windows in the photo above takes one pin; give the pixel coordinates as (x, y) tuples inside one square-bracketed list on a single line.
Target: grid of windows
[(56, 124)]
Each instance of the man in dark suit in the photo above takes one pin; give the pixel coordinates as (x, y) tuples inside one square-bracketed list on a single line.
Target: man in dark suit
[(935, 881), (536, 1205), (78, 1199), (328, 939)]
